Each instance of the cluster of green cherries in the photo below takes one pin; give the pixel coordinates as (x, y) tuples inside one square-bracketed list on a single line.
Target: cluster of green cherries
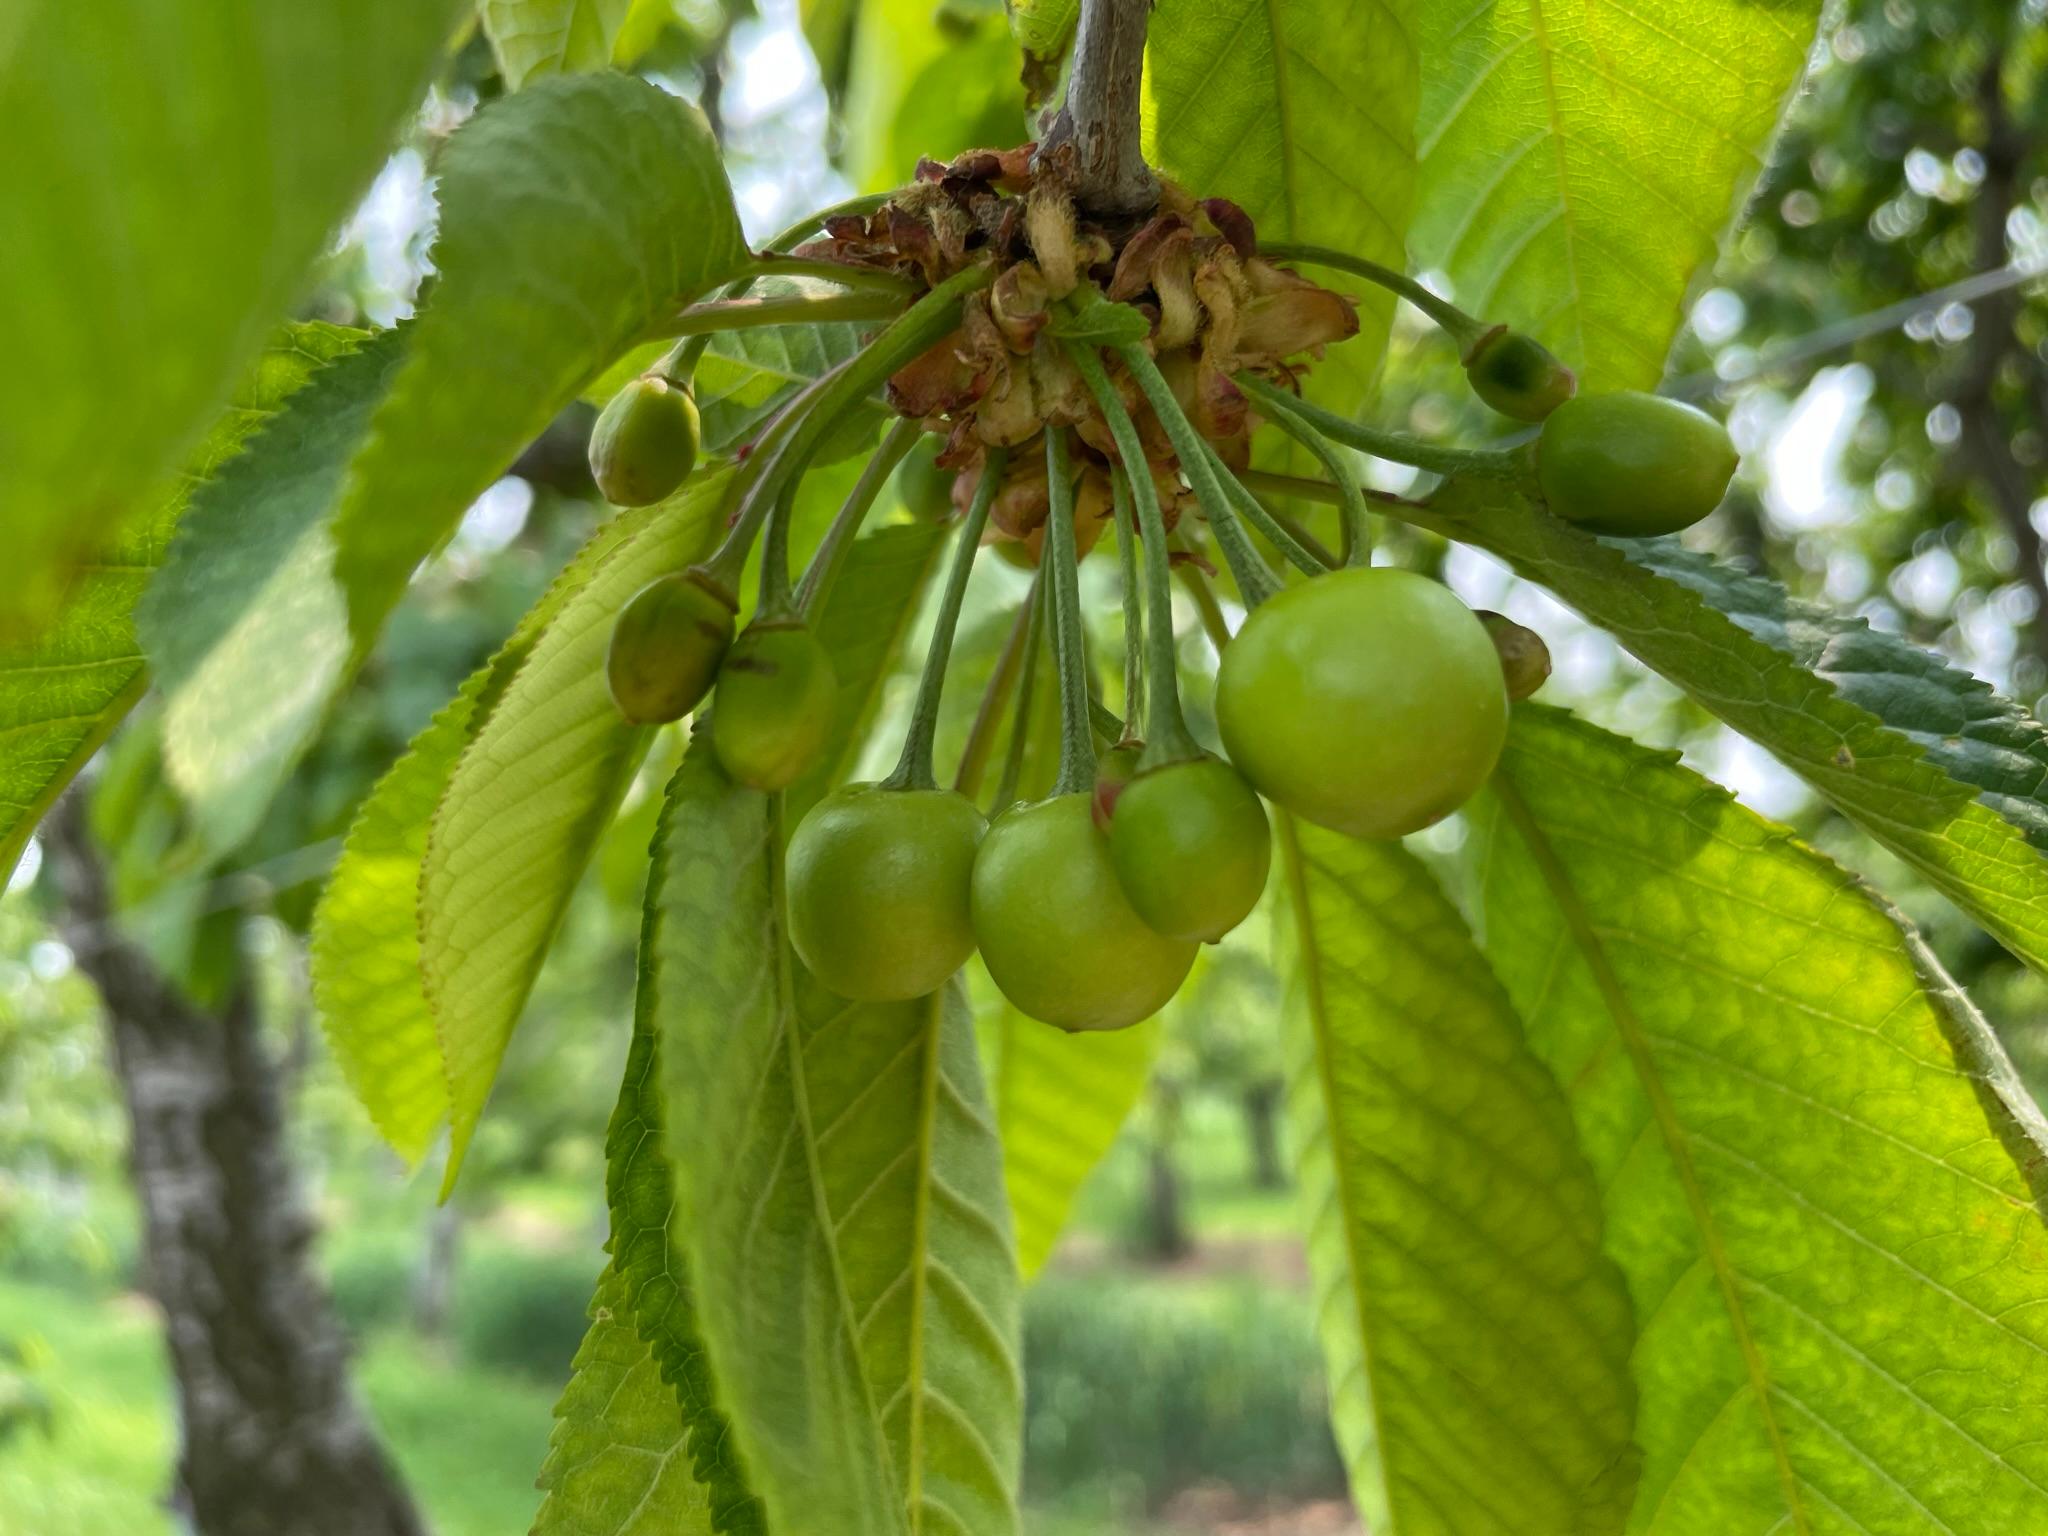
[(1368, 700)]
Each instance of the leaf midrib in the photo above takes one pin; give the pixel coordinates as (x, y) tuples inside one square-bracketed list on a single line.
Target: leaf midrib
[(800, 1100), (1630, 1029), (1305, 931)]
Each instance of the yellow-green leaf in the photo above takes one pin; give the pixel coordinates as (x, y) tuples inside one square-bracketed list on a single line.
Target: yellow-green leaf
[(1580, 160), (1821, 1175)]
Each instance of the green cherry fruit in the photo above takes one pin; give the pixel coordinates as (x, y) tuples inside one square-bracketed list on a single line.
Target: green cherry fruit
[(1633, 464), (776, 693), (927, 490), (1055, 928), (1517, 375), (645, 442), (1524, 658), (1369, 701), (666, 645), (1191, 846), (1113, 771), (879, 883)]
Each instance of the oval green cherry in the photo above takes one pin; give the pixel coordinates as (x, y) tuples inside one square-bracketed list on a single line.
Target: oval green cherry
[(776, 692), (1369, 701), (666, 645), (1192, 847), (1055, 928), (1632, 464), (645, 442), (1517, 375), (879, 887)]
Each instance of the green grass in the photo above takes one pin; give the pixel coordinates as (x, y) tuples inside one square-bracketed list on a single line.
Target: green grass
[(469, 1441)]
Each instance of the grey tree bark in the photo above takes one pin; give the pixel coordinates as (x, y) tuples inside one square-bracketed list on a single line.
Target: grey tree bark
[(273, 1441), (1092, 142)]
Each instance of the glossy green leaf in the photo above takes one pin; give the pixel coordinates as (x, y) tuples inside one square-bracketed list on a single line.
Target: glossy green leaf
[(1967, 729), (244, 626), (1477, 1338), (529, 798), (1061, 1099), (573, 216), (1822, 1177), (1754, 676), (926, 80), (647, 1252), (1303, 114), (869, 616), (367, 984), (828, 27), (536, 38), (838, 1188), (1044, 28), (1580, 161), (165, 195), (63, 690), (618, 1462)]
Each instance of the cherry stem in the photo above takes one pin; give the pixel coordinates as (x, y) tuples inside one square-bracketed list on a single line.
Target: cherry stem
[(1134, 621), (1213, 621), (1357, 528), (845, 273), (1484, 463), (1308, 488), (681, 360), (803, 423), (981, 735), (1462, 328), (1077, 736), (1296, 553), (1167, 736), (783, 309), (1020, 721), (775, 605), (829, 559), (914, 767), (752, 489), (1255, 579)]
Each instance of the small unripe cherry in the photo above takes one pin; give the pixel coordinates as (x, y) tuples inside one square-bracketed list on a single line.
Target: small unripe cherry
[(645, 442), (1524, 658), (776, 695), (1192, 848), (666, 645), (1059, 936), (1517, 375), (878, 882), (1633, 465), (1113, 771)]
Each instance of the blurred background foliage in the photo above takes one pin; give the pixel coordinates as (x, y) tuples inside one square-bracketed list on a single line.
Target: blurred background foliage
[(1877, 336)]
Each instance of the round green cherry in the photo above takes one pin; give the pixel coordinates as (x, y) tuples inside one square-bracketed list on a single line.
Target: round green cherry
[(927, 490), (1192, 847), (879, 884), (1517, 375), (1633, 465), (645, 442), (666, 645), (1369, 701), (776, 693), (1055, 928)]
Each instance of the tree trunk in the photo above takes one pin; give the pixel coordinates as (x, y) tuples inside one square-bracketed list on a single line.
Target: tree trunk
[(273, 1441), (434, 1295), (1166, 1224), (1262, 1134)]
